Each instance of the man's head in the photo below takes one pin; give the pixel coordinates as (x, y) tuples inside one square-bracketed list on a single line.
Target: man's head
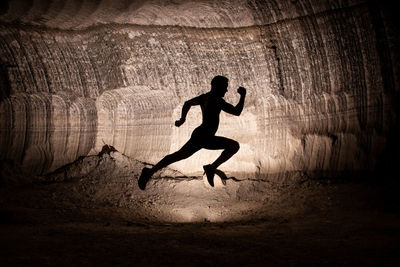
[(219, 85)]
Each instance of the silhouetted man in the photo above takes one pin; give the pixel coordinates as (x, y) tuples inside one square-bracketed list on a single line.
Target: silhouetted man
[(211, 104)]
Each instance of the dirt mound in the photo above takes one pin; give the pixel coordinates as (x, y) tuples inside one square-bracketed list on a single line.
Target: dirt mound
[(107, 183)]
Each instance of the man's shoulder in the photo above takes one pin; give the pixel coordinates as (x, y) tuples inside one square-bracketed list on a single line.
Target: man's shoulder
[(204, 96)]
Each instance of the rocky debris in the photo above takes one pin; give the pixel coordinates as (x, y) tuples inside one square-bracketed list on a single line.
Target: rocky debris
[(108, 181)]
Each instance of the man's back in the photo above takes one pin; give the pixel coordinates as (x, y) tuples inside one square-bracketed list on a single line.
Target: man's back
[(211, 107)]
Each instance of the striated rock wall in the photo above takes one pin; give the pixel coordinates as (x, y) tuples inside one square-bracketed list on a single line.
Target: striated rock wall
[(43, 132), (70, 14), (321, 90), (137, 121)]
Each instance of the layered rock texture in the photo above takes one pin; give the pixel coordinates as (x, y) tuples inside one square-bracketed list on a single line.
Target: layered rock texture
[(321, 80)]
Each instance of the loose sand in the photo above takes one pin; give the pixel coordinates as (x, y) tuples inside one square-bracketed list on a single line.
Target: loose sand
[(92, 213)]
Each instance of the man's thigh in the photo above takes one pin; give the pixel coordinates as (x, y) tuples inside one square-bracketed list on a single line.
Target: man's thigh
[(218, 142), (188, 149)]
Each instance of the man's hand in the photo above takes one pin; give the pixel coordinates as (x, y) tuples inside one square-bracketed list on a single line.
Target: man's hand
[(241, 91), (179, 122)]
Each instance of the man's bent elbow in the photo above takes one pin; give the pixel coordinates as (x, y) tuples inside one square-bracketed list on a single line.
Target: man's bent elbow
[(237, 112)]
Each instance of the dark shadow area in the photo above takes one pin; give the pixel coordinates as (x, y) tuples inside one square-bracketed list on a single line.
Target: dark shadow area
[(3, 7), (4, 82), (344, 224)]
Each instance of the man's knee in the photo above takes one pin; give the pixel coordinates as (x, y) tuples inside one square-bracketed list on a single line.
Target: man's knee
[(234, 146)]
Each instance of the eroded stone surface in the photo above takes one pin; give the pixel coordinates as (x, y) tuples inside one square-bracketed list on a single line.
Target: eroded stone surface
[(319, 98), (205, 13)]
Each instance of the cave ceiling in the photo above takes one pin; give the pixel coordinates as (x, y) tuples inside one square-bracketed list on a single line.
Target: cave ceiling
[(72, 14)]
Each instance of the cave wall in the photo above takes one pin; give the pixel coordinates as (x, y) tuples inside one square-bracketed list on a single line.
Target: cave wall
[(321, 93)]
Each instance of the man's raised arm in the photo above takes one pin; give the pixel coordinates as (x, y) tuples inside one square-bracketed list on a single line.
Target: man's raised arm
[(236, 110)]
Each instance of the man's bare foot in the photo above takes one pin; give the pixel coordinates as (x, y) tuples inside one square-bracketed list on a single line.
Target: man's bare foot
[(144, 178)]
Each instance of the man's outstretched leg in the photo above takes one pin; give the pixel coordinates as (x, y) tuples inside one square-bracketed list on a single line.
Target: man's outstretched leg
[(230, 148), (186, 151)]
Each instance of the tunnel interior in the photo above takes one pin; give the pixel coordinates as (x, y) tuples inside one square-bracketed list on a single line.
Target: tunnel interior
[(90, 91)]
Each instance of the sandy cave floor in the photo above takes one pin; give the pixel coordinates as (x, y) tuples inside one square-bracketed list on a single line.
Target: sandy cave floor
[(92, 213)]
